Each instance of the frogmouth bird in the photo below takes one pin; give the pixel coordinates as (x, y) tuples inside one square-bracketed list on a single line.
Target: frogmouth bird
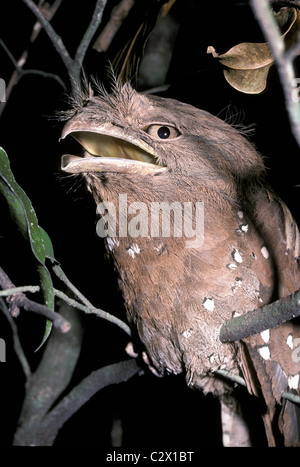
[(231, 244)]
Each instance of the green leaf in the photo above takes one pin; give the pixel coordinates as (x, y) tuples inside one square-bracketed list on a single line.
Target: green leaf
[(49, 251), (21, 208), (24, 216)]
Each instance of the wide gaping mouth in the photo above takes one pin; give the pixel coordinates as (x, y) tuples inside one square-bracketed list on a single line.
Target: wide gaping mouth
[(108, 149)]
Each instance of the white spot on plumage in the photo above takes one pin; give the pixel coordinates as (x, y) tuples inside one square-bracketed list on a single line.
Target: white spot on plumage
[(264, 252), (290, 341), (265, 352), (133, 250), (244, 228), (293, 381), (240, 214), (265, 335), (237, 256), (112, 242), (209, 304), (235, 314), (187, 334), (231, 266)]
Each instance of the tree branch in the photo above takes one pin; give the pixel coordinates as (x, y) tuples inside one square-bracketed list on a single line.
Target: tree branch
[(119, 13), (97, 311), (16, 341), (87, 37), (88, 308), (87, 388), (50, 11), (53, 36), (19, 300), (260, 319), (42, 432), (73, 66), (51, 378), (265, 17)]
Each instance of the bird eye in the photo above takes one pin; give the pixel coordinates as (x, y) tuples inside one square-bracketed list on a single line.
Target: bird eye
[(158, 131)]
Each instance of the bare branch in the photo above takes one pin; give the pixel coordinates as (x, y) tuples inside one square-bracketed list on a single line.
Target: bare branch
[(87, 37), (73, 66), (50, 379), (49, 11), (53, 36), (265, 17), (19, 300), (42, 430), (23, 288), (62, 276), (119, 13), (88, 308), (97, 311), (16, 341)]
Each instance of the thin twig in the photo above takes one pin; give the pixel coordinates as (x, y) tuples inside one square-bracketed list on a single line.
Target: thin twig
[(265, 17), (16, 341), (73, 66), (53, 36), (20, 300), (58, 321), (97, 311), (50, 11), (88, 308), (62, 276), (23, 288), (87, 37)]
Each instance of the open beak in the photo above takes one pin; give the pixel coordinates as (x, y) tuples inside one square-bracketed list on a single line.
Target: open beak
[(108, 148)]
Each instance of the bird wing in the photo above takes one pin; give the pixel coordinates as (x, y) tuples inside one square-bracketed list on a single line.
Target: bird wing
[(271, 359)]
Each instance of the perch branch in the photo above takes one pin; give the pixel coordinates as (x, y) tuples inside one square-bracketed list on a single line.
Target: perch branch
[(239, 380), (283, 59), (234, 378), (260, 319)]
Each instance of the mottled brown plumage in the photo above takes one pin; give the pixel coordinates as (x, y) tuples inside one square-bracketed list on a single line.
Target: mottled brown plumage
[(177, 297)]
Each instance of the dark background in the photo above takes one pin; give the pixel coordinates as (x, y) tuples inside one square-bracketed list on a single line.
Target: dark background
[(155, 412)]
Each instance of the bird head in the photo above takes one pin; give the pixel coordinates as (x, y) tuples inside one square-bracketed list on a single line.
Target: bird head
[(126, 135)]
